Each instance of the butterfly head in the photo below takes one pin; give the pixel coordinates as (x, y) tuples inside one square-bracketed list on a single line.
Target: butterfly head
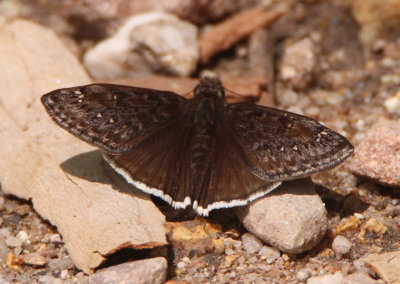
[(210, 87)]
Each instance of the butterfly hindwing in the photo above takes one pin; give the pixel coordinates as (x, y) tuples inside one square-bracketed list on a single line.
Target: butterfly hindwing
[(230, 181), (281, 145), (157, 165)]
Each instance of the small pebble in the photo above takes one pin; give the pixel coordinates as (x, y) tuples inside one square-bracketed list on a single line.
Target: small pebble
[(185, 259), (14, 242), (23, 209), (341, 246), (270, 253), (264, 267), (303, 275), (228, 242), (2, 203), (61, 264), (237, 244), (229, 251), (181, 265), (34, 259), (64, 274), (285, 257), (5, 233), (279, 262), (392, 104), (23, 236), (251, 243), (55, 238), (359, 216), (3, 249), (49, 279)]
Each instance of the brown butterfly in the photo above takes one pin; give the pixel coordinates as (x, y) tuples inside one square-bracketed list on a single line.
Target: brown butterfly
[(202, 151)]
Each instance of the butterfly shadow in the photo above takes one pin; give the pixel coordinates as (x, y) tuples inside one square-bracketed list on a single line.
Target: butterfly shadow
[(92, 167)]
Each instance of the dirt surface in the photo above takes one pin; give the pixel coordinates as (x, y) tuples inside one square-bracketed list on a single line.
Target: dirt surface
[(346, 92)]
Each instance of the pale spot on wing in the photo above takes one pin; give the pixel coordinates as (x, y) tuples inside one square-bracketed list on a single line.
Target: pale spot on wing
[(49, 101)]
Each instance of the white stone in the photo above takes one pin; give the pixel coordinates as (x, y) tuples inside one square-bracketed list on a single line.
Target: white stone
[(146, 43), (341, 246), (392, 104)]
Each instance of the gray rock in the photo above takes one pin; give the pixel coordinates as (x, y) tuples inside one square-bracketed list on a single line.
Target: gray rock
[(137, 272), (341, 246), (251, 243), (144, 44), (377, 157), (292, 218), (335, 278)]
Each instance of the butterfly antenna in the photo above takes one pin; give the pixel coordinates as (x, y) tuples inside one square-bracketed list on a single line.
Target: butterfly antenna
[(244, 97), (188, 94)]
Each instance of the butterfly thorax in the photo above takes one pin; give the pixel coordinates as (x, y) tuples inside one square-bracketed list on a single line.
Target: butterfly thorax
[(209, 87), (206, 112)]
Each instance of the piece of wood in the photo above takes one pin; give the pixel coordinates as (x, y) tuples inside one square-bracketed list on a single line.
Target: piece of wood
[(223, 35), (238, 88)]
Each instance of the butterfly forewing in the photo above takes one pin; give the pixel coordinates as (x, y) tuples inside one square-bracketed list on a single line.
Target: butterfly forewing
[(113, 117), (280, 145)]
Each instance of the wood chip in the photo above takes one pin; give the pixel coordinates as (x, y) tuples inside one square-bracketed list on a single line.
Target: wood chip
[(222, 36), (239, 88)]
